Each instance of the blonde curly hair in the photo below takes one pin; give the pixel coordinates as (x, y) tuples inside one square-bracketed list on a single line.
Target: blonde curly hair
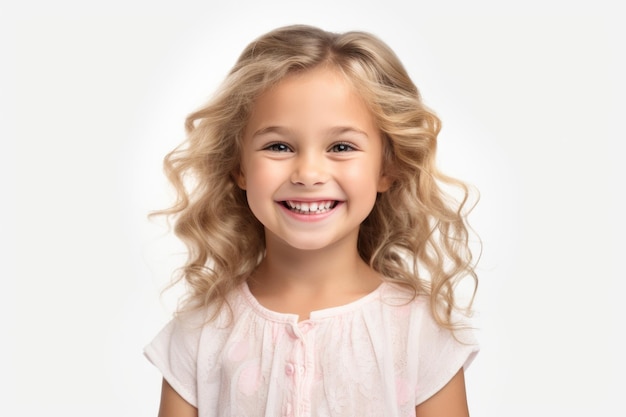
[(416, 235)]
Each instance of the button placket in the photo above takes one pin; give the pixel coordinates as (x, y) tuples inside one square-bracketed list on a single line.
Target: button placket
[(305, 367), (294, 370)]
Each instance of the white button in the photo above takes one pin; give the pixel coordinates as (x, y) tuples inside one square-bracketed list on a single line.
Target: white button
[(289, 369)]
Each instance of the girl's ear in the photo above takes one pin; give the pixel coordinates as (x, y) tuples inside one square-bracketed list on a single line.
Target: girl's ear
[(240, 179), (384, 183)]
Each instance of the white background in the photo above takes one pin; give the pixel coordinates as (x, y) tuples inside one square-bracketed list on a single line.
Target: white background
[(93, 96)]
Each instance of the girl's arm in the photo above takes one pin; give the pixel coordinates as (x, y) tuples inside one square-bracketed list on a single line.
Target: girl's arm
[(450, 401), (173, 405)]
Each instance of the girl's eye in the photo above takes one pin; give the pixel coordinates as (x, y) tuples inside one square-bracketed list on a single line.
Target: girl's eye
[(277, 147), (341, 147)]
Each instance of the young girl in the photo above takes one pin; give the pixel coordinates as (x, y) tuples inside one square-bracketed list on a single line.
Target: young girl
[(323, 254)]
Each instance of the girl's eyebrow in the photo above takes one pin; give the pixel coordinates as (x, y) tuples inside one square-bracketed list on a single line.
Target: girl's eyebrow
[(334, 131), (271, 129), (340, 130)]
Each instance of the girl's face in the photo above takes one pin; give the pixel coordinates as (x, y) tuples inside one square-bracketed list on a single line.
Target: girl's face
[(311, 161)]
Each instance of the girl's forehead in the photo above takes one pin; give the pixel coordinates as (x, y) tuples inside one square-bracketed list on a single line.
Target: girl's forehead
[(320, 96), (319, 74)]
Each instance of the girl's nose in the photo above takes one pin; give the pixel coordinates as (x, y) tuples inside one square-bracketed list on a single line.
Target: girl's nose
[(309, 170)]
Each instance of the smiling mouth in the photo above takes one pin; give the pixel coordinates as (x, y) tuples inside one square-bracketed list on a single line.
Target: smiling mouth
[(312, 207)]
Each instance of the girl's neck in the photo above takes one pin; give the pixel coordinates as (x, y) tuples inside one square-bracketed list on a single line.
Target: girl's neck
[(311, 269), (312, 279)]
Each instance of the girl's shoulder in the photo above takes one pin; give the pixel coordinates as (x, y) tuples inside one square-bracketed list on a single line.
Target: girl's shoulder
[(414, 314), (402, 301)]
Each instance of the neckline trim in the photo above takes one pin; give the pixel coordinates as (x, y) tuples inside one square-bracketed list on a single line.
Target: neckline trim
[(314, 315)]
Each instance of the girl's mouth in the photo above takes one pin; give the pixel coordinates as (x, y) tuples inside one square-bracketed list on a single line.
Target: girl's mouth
[(310, 207)]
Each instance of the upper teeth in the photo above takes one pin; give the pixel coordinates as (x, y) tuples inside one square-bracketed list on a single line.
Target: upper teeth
[(312, 206)]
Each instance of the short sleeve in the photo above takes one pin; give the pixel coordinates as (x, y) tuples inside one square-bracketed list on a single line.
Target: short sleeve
[(174, 351), (441, 354)]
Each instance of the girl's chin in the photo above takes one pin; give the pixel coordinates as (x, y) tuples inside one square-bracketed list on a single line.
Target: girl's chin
[(310, 241)]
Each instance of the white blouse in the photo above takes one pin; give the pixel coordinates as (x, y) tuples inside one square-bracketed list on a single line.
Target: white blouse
[(378, 356)]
